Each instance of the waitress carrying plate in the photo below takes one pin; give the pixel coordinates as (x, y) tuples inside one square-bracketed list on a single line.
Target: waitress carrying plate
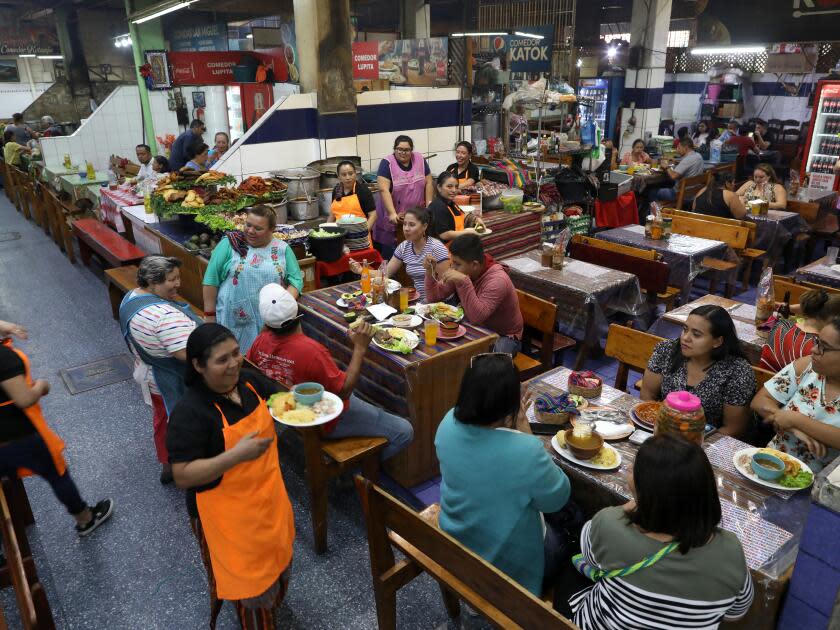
[(338, 406)]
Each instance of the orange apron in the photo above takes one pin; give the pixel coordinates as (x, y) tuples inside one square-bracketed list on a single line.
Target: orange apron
[(348, 205), (457, 218), (55, 444), (247, 519)]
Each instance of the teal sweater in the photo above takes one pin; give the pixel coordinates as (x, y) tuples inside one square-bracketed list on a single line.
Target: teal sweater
[(495, 484)]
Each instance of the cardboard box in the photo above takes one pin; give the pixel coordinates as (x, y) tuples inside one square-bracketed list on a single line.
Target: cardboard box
[(731, 110)]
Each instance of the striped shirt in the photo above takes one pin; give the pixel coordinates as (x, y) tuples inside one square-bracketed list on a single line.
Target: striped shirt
[(786, 344), (161, 330), (692, 591), (413, 261)]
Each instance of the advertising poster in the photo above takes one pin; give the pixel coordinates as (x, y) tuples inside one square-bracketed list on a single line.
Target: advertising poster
[(28, 40), (531, 54), (365, 60), (414, 61)]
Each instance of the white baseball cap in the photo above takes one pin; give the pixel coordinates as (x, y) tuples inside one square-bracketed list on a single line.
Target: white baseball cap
[(277, 306)]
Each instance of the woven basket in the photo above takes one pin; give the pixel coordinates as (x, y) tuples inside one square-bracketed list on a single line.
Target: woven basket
[(553, 418), (586, 392)]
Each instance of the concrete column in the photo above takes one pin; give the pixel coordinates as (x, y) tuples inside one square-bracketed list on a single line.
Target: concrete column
[(644, 83), (146, 36), (67, 26), (415, 19)]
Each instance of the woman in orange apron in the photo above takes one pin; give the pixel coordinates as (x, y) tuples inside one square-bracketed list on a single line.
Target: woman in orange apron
[(223, 448), (464, 170), (448, 220), (352, 197), (27, 445)]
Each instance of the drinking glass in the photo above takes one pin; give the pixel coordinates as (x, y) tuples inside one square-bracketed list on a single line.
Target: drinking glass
[(430, 328), (831, 255), (404, 299)]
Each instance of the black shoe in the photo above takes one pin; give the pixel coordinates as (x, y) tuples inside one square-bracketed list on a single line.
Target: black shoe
[(101, 512), (166, 475)]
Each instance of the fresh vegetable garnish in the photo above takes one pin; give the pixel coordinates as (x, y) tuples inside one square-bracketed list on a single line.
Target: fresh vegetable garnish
[(323, 234), (802, 479)]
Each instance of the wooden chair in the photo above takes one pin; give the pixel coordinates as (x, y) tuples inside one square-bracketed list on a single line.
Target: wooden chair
[(20, 187), (688, 186), (540, 318), (12, 187), (723, 168), (761, 376), (460, 573), (632, 349), (782, 285), (810, 214), (19, 570), (61, 216)]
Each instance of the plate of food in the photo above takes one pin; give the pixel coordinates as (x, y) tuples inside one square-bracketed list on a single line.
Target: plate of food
[(795, 476), (441, 311), (607, 457), (609, 423), (404, 320), (451, 330), (354, 299), (397, 340), (644, 414), (483, 230), (286, 410)]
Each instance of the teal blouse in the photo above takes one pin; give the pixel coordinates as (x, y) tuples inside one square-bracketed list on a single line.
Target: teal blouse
[(221, 265)]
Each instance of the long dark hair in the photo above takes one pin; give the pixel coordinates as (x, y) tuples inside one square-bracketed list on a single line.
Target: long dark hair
[(719, 182), (200, 346), (721, 326), (675, 491), (164, 163), (489, 391)]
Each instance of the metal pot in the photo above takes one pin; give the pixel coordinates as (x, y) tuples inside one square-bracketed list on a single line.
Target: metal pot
[(281, 210), (325, 202), (302, 182), (329, 167), (303, 209)]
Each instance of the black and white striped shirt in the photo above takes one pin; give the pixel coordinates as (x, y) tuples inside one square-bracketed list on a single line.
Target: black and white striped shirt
[(693, 591)]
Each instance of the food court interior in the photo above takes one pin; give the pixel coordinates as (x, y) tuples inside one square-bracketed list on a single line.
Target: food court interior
[(419, 314)]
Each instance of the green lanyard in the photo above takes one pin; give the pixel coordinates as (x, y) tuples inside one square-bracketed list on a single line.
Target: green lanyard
[(595, 574)]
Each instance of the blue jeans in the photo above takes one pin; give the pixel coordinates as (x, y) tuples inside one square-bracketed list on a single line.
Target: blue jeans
[(508, 344), (364, 419), (667, 194)]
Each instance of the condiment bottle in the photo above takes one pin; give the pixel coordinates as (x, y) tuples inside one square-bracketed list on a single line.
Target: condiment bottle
[(784, 309), (682, 414), (649, 226)]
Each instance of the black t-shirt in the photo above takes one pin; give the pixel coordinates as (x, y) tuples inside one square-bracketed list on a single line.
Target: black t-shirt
[(716, 206), (13, 422), (195, 425), (470, 173), (366, 200), (442, 220)]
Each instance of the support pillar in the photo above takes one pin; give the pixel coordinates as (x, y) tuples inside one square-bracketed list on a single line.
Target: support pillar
[(146, 36), (644, 84), (415, 19), (78, 80)]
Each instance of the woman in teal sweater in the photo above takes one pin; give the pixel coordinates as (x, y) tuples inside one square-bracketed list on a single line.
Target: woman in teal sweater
[(497, 479)]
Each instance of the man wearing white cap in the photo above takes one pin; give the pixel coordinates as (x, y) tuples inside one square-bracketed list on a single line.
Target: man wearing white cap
[(284, 353)]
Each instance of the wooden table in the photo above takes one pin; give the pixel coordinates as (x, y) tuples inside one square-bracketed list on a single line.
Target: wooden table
[(670, 324), (819, 273), (420, 387), (768, 523)]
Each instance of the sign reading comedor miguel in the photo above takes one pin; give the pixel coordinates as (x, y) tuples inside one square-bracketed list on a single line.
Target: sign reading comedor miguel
[(28, 41), (766, 21)]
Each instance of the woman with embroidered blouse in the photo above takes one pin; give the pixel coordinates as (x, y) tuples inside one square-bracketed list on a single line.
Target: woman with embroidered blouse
[(707, 361), (803, 402), (764, 185)]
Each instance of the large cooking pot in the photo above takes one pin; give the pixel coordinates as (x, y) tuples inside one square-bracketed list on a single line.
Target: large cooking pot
[(303, 209), (325, 202), (302, 182), (281, 211), (328, 168)]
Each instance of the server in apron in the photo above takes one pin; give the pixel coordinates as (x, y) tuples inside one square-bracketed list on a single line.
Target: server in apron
[(352, 197), (464, 170), (448, 220), (223, 449), (27, 444)]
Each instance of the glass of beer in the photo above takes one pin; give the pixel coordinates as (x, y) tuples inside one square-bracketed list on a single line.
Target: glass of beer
[(431, 329), (404, 299)]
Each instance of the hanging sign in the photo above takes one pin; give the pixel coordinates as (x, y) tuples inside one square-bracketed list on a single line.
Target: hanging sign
[(531, 54), (211, 37), (27, 40), (365, 60)]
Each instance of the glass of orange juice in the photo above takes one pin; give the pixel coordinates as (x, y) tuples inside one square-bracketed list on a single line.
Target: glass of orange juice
[(404, 299), (431, 330)]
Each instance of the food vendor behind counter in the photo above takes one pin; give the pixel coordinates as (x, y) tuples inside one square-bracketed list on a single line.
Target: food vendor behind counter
[(464, 170), (448, 220), (352, 197)]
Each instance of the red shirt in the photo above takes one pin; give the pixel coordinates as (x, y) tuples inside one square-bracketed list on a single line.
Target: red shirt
[(745, 144), (295, 358)]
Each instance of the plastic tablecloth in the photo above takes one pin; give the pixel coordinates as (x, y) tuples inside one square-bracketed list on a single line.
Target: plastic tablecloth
[(819, 273), (774, 229)]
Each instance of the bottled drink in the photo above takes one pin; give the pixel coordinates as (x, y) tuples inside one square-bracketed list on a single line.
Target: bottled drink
[(365, 277), (147, 202), (784, 309)]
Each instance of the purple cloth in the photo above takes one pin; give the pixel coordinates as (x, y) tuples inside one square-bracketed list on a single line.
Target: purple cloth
[(408, 190)]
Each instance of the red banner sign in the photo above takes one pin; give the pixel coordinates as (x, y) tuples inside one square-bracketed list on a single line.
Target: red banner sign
[(365, 60), (216, 68)]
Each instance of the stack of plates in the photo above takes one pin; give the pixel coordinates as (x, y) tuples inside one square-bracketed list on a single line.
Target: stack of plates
[(356, 233)]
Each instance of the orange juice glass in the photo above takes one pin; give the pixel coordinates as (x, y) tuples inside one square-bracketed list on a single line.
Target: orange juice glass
[(404, 299), (431, 330)]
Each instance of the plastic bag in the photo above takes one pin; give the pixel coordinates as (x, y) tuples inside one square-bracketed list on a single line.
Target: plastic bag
[(765, 302)]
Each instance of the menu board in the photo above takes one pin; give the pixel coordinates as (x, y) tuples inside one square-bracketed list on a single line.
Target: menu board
[(404, 61)]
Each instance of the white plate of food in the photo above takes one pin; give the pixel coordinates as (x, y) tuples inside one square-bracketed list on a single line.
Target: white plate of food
[(403, 320), (644, 414), (797, 474), (397, 340), (440, 311), (610, 457), (486, 232), (286, 410)]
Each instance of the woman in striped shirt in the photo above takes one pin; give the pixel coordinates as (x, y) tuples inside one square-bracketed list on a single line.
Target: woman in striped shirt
[(789, 339), (414, 250), (660, 561)]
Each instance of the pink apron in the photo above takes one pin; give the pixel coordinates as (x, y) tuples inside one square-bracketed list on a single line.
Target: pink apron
[(408, 191)]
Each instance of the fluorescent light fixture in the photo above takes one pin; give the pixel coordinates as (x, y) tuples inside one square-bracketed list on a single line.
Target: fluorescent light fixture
[(50, 57), (163, 11), (612, 51), (728, 50), (579, 63), (529, 35), (27, 56), (249, 36), (488, 34)]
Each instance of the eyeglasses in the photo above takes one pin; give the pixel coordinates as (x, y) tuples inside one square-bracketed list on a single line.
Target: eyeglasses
[(402, 150), (821, 347), (483, 355)]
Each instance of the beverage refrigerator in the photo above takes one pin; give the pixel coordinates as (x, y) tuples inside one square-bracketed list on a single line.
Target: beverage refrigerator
[(246, 102), (822, 146), (606, 92)]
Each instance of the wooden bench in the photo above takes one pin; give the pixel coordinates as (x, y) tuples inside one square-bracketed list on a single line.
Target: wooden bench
[(19, 570), (460, 573), (540, 318), (632, 349), (121, 280), (96, 238)]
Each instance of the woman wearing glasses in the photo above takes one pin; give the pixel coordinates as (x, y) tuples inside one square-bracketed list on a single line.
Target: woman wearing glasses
[(497, 478), (803, 402), (404, 181)]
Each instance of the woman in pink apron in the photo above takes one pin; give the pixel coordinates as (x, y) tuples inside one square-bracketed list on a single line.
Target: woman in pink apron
[(405, 181)]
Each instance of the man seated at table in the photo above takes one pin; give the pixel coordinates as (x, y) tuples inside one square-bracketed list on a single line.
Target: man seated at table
[(690, 165), (144, 156), (764, 139), (484, 288), (744, 144), (285, 354)]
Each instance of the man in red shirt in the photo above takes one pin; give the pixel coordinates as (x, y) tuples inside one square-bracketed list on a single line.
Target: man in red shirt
[(745, 144), (285, 354)]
